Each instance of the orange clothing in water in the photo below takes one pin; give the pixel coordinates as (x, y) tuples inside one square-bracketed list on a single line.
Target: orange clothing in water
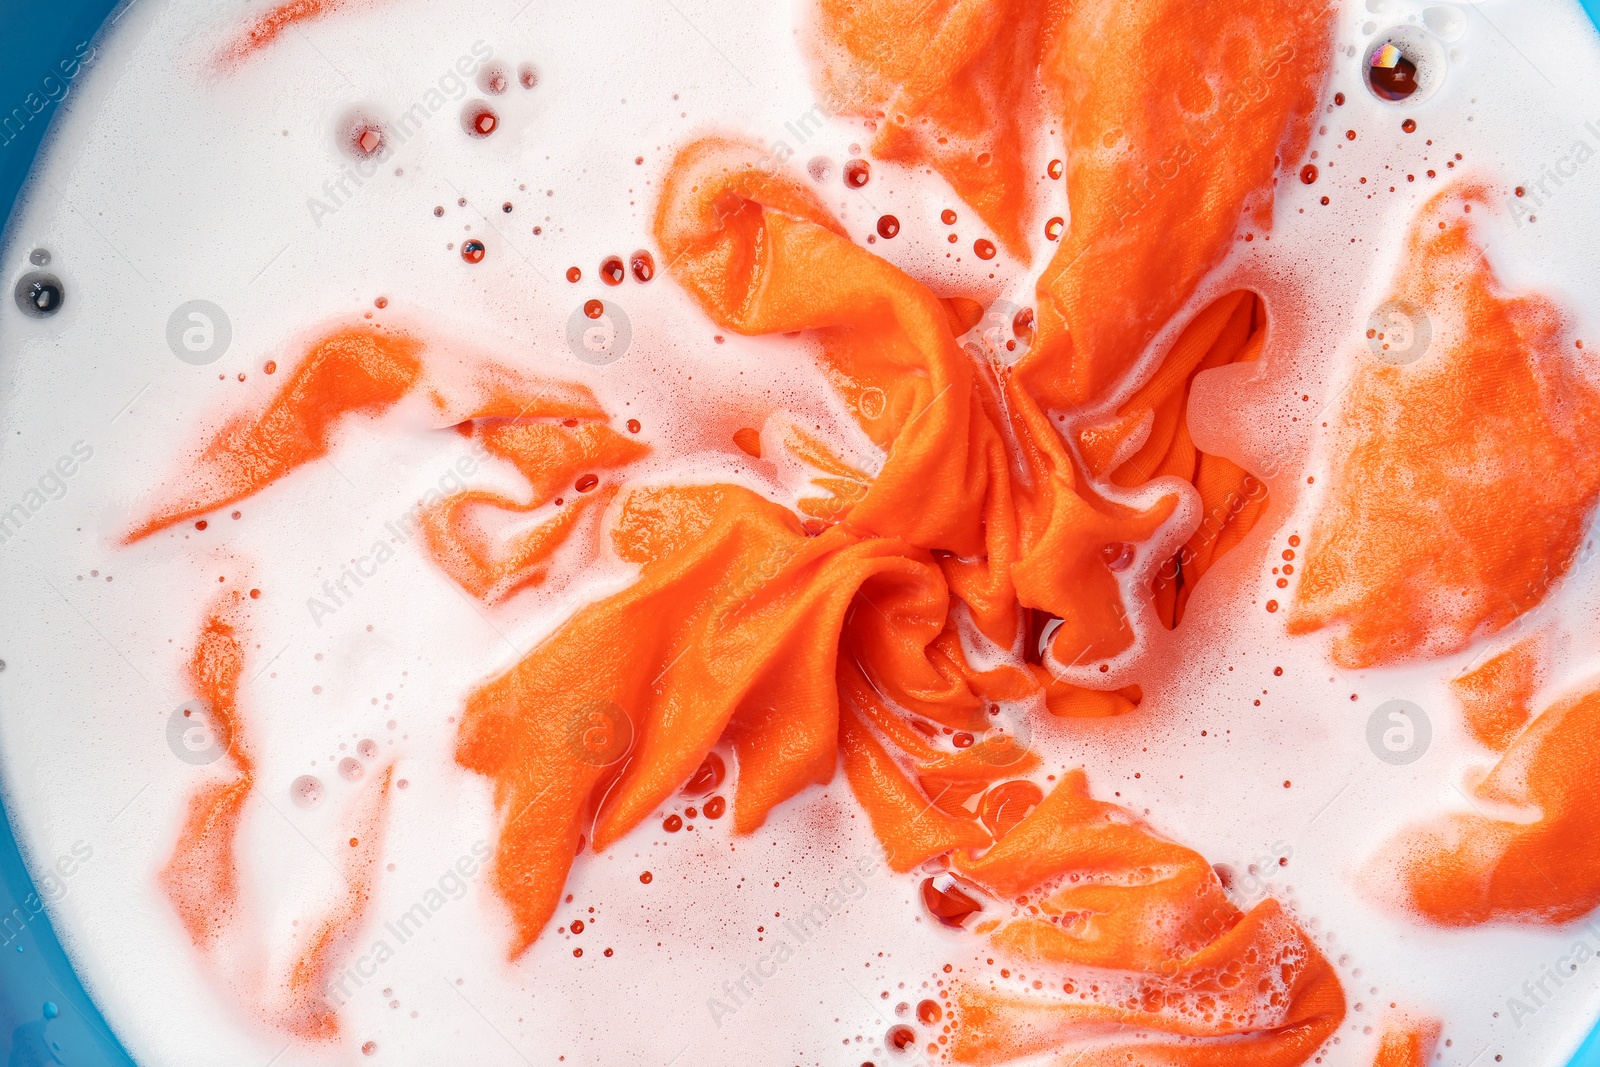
[(1525, 852), (1132, 932), (1415, 551), (1407, 1042), (1177, 119)]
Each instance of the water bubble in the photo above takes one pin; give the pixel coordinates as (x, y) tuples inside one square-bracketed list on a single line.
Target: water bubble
[(528, 75), (819, 168), (1405, 63), (362, 137), (367, 748), (493, 79), (1447, 22), (901, 1038), (306, 791), (947, 899), (39, 294), (478, 119), (39, 257), (1118, 556), (350, 769)]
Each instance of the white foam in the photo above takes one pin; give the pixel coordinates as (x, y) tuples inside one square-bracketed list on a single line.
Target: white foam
[(161, 184)]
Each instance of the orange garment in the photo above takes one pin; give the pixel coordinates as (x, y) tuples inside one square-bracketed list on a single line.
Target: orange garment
[(1132, 932), (1407, 1042), (949, 84), (1416, 551), (1149, 438), (742, 617), (201, 878), (1497, 695), (358, 370), (555, 434), (1177, 120), (1525, 852)]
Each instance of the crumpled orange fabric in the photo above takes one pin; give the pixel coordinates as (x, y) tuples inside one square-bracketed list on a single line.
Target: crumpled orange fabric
[(1525, 851), (554, 433), (1149, 438), (1177, 119), (1407, 1042), (1463, 481), (201, 879), (1496, 696), (1131, 931), (744, 619)]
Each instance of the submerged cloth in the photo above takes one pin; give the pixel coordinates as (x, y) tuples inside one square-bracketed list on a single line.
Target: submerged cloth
[(883, 622)]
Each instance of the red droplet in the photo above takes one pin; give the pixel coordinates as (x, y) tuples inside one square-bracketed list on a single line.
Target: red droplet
[(646, 877), (888, 226), (1272, 605), (1409, 125), (528, 76), (1055, 228), (715, 807), (948, 217), (1056, 168), (472, 251), (271, 367), (577, 926), (1308, 173), (586, 483), (984, 248), (901, 1038), (1338, 98), (255, 594), (634, 426), (929, 1012), (947, 901), (644, 265), (673, 824), (478, 119), (201, 525), (612, 272), (707, 777), (857, 173), (594, 308), (574, 274)]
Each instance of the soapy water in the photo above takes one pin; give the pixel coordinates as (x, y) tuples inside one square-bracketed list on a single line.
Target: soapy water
[(1255, 740)]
